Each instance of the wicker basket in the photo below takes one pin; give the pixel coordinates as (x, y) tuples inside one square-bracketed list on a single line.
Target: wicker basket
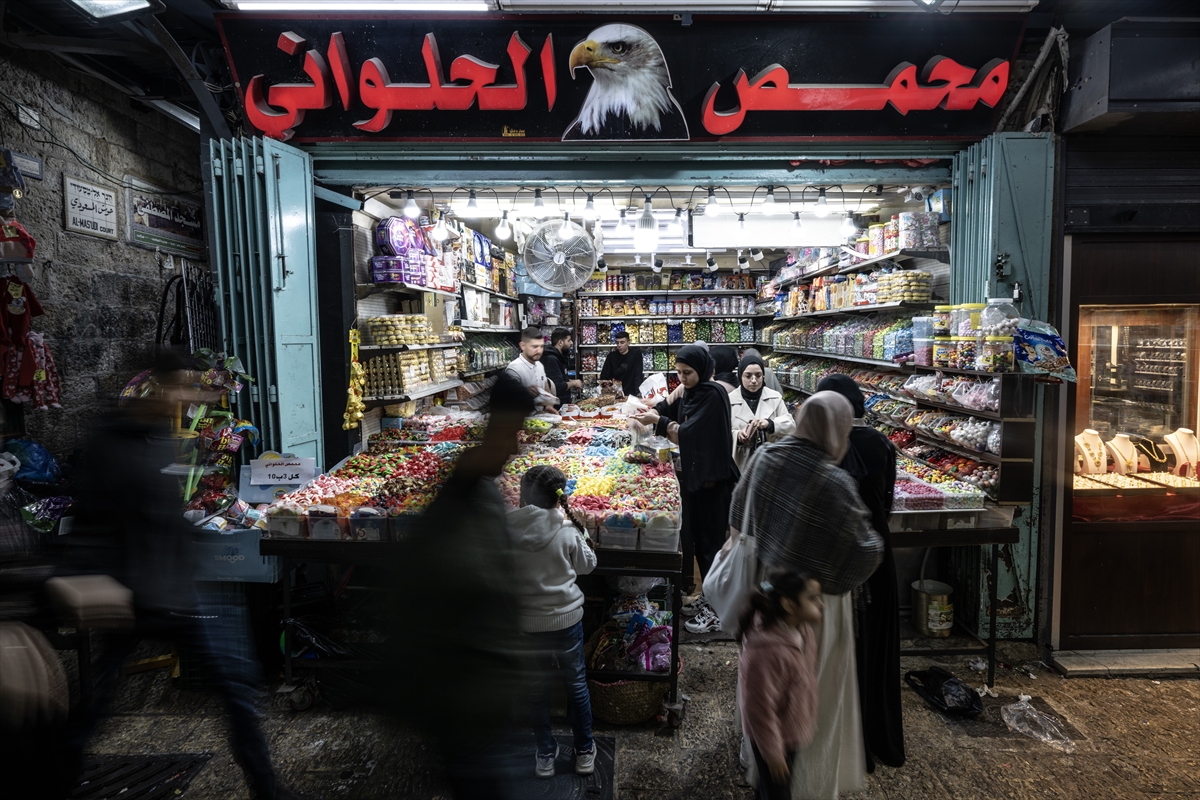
[(623, 702)]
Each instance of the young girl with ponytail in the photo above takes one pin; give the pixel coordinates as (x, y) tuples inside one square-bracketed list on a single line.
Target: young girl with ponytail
[(777, 676), (550, 549)]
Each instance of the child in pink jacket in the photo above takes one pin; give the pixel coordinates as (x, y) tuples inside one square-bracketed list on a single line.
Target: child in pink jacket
[(777, 676)]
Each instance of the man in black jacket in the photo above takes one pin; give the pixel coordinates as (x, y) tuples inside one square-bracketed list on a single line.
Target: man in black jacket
[(625, 365), (557, 366)]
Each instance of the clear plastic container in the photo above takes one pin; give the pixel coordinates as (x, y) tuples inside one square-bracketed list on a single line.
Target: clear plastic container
[(922, 327), (999, 318), (943, 351), (966, 352), (941, 320), (969, 319), (923, 351), (995, 354)]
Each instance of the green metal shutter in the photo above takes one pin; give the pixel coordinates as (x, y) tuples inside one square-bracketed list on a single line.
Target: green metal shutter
[(263, 256)]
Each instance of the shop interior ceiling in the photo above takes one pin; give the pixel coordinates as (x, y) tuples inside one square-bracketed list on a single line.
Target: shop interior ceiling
[(690, 222)]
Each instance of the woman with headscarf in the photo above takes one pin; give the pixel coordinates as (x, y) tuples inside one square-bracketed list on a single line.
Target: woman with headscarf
[(700, 423), (769, 379), (725, 361), (759, 413), (871, 461), (806, 516)]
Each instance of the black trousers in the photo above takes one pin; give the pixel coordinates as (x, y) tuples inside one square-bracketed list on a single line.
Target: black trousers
[(705, 523), (766, 790)]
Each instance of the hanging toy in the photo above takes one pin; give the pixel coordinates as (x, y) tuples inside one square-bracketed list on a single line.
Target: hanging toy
[(358, 382)]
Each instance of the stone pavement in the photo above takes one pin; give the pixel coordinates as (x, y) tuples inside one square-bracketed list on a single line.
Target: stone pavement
[(1136, 738)]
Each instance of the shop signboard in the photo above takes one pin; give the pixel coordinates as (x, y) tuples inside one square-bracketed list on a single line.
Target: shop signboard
[(774, 78), (89, 209), (155, 219)]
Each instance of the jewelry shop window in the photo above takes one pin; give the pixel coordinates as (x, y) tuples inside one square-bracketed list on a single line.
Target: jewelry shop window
[(1135, 447)]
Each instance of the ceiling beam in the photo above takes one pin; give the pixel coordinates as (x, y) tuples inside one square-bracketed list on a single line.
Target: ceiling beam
[(208, 102), (71, 44)]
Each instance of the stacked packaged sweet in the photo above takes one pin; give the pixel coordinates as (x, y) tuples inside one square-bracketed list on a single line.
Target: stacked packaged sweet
[(976, 394), (883, 338), (485, 352), (970, 433)]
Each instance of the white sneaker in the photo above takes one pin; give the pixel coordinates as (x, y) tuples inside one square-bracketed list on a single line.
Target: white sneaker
[(705, 621), (585, 763), (545, 764), (693, 606)]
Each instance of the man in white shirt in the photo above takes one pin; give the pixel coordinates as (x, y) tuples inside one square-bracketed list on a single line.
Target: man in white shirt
[(527, 368)]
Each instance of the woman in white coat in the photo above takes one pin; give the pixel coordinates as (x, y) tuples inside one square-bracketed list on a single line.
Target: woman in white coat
[(759, 414)]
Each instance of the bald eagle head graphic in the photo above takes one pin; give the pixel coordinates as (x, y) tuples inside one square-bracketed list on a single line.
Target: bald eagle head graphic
[(630, 96)]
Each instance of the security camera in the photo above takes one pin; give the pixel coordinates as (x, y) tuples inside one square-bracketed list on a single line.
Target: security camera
[(918, 194), (602, 265)]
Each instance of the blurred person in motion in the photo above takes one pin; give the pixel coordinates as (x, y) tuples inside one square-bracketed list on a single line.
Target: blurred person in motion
[(806, 516), (558, 367), (550, 551), (759, 413), (458, 667), (700, 422), (777, 675), (871, 462), (725, 363), (129, 524), (529, 371)]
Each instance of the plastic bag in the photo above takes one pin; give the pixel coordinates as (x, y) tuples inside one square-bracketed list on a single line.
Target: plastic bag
[(945, 692), (37, 465), (654, 388), (631, 586), (1040, 349), (1022, 717)]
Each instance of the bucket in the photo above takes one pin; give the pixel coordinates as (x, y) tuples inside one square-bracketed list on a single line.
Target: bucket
[(932, 610)]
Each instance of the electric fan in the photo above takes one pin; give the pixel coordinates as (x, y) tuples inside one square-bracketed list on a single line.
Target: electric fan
[(558, 262)]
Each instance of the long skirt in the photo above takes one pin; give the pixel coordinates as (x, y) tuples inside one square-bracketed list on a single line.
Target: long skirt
[(834, 762)]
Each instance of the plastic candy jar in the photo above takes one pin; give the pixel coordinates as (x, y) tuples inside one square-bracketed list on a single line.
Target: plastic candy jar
[(995, 354), (941, 320), (942, 348), (966, 352), (999, 318)]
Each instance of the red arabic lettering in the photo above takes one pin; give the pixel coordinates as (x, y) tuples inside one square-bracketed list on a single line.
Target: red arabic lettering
[(376, 90), (339, 62), (551, 80), (945, 84), (294, 98)]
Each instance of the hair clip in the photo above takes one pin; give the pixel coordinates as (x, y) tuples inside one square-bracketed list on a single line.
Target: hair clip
[(558, 492), (766, 586)]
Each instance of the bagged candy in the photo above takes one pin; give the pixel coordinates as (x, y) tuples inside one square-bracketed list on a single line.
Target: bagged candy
[(1040, 349)]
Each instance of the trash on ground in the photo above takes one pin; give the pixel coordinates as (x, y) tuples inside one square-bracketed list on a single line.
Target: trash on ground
[(978, 664), (1022, 717), (945, 692)]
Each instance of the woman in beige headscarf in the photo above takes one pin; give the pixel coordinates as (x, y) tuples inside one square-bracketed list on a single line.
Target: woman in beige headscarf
[(806, 515)]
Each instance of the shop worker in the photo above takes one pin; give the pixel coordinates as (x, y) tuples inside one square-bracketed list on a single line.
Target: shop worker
[(625, 365), (527, 368), (557, 365)]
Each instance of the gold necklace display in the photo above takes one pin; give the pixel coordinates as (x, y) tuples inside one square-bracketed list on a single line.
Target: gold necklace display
[(1094, 456)]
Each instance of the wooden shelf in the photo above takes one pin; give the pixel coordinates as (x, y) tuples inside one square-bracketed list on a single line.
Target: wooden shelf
[(377, 347), (427, 391), (477, 287), (896, 305), (402, 288), (836, 357)]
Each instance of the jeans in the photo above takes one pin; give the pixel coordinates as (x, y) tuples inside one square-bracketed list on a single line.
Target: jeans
[(567, 647)]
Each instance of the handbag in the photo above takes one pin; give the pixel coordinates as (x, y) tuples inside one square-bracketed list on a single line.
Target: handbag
[(734, 572)]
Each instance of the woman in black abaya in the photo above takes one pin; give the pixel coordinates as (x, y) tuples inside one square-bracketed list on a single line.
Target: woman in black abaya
[(700, 423), (871, 461)]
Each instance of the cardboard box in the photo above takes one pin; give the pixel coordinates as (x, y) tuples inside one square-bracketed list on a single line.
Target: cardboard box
[(233, 555)]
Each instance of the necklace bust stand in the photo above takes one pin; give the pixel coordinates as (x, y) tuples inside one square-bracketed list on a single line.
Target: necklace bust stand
[(1184, 446), (1124, 454), (1091, 447)]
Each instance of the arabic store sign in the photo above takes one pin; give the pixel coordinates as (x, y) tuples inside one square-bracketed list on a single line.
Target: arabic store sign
[(642, 78), (90, 209)]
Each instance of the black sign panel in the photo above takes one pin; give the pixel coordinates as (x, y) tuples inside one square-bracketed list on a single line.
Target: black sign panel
[(580, 78)]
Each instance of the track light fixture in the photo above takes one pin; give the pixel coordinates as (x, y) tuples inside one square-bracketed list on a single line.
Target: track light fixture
[(601, 265), (687, 260), (742, 261), (756, 253), (710, 262), (656, 263)]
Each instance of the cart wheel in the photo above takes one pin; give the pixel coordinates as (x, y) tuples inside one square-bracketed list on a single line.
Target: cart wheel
[(675, 719), (302, 699)]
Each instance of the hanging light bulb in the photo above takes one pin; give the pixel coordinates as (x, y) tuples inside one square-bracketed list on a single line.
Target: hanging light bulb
[(796, 224), (539, 205), (769, 205), (564, 230), (712, 206), (411, 209), (440, 232), (741, 222), (589, 208), (645, 235), (623, 223), (471, 210), (848, 227), (680, 222), (503, 231), (822, 209)]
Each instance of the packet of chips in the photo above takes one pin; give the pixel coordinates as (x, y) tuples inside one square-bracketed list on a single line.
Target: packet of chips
[(1040, 349)]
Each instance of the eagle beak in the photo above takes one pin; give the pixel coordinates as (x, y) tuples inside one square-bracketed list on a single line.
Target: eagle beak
[(587, 54)]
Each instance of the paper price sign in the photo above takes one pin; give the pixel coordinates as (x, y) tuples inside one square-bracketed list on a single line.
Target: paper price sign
[(271, 471)]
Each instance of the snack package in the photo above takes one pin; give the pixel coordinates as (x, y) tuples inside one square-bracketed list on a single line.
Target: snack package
[(1040, 349)]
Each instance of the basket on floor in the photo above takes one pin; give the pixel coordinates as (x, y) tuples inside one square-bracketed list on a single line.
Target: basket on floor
[(624, 702)]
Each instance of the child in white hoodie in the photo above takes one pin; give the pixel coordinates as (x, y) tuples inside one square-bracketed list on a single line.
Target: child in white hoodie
[(550, 550)]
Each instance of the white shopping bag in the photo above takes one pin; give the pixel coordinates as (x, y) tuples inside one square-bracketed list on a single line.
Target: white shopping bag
[(654, 388), (731, 578)]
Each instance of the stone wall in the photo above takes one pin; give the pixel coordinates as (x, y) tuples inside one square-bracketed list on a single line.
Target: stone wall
[(101, 298)]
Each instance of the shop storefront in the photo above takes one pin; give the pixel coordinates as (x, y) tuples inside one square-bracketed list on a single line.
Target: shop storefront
[(743, 136), (1129, 514)]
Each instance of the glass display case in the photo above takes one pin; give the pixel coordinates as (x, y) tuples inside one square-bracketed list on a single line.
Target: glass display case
[(1136, 410)]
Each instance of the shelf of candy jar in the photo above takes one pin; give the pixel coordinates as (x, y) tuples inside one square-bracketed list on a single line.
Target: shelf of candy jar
[(669, 331), (803, 263), (641, 306), (859, 293), (647, 282), (885, 339), (484, 352)]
